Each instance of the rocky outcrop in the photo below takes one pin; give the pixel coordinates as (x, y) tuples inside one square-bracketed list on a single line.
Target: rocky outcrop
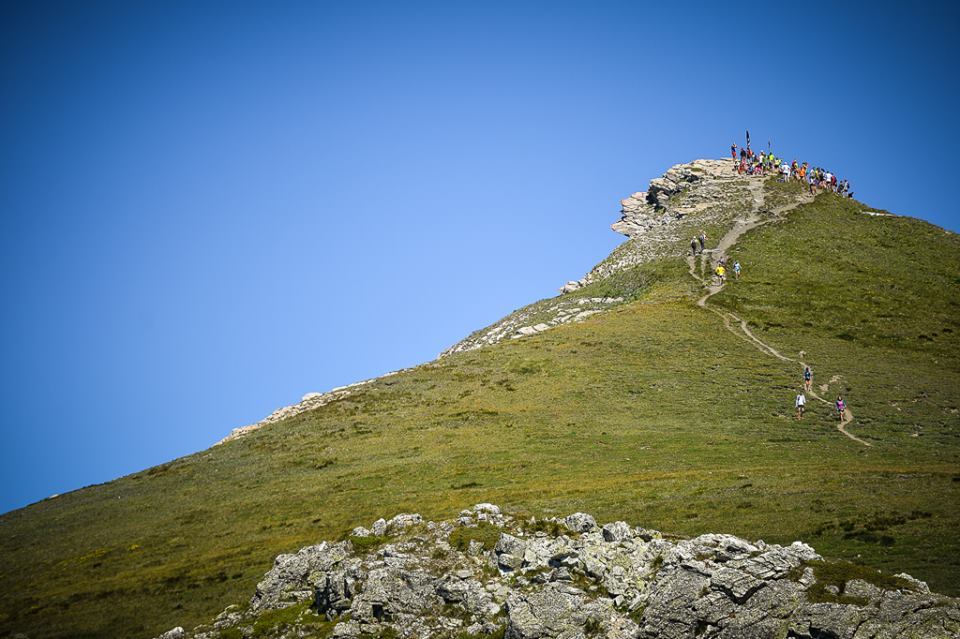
[(660, 205), (308, 402), (662, 220), (488, 574), (534, 319)]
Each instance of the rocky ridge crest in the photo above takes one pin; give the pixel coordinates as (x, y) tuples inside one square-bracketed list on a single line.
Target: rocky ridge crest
[(659, 222), (488, 574), (308, 402)]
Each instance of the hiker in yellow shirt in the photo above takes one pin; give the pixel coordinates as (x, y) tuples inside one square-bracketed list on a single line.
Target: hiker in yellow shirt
[(721, 272)]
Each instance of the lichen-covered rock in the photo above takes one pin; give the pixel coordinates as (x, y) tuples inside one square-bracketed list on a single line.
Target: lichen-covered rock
[(556, 610), (580, 522), (616, 531), (293, 577), (613, 581)]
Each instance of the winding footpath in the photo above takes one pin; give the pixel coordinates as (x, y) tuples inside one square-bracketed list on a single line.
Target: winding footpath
[(753, 220)]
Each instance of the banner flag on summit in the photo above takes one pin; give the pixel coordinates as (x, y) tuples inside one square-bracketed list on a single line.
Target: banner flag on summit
[(748, 137)]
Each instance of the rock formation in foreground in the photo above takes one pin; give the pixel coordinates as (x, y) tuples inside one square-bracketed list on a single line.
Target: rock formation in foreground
[(492, 575)]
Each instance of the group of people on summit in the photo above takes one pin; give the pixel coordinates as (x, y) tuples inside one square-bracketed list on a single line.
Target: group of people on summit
[(761, 164)]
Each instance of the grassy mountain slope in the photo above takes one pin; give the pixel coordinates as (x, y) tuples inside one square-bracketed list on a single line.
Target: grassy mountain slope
[(652, 412)]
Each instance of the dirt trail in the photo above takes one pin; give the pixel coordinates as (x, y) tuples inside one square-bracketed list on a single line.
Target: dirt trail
[(753, 220)]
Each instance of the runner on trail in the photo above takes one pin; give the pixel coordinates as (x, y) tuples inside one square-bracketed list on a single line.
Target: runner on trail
[(703, 239), (720, 272), (693, 246), (807, 377), (841, 407), (800, 403), (736, 268)]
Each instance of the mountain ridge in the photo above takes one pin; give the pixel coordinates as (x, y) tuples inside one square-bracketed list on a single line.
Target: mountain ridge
[(652, 411), (649, 219)]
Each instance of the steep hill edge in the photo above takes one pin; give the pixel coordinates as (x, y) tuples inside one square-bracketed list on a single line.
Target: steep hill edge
[(658, 222)]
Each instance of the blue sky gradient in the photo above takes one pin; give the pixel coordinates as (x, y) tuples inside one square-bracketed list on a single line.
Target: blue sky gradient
[(210, 209)]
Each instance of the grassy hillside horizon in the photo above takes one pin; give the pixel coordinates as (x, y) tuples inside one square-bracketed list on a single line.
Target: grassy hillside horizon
[(652, 412)]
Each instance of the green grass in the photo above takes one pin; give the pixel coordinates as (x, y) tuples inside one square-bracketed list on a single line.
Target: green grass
[(366, 543), (484, 533), (652, 413)]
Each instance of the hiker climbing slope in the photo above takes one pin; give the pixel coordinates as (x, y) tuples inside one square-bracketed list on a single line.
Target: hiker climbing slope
[(841, 407)]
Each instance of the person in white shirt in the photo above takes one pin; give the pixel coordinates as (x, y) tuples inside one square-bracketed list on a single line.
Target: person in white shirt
[(801, 403)]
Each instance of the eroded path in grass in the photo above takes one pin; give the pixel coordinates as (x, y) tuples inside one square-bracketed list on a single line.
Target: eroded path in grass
[(757, 216)]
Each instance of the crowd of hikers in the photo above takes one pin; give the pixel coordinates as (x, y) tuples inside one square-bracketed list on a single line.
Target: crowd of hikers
[(817, 179), (747, 162), (763, 163)]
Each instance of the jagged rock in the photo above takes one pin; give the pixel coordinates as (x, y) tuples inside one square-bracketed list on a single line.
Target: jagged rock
[(580, 522), (554, 611), (737, 585), (404, 520), (616, 531), (289, 581), (917, 584), (489, 509), (394, 594), (174, 633), (612, 581)]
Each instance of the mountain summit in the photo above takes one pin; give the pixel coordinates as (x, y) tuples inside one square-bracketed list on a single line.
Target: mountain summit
[(657, 390)]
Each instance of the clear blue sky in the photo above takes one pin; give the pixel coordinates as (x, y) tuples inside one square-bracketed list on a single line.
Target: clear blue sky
[(209, 209)]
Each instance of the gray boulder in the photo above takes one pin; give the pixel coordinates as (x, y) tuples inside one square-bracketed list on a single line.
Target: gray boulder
[(289, 580), (617, 531), (557, 610), (580, 522)]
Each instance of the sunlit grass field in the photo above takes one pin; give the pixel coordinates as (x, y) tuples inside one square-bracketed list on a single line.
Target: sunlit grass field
[(653, 413)]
